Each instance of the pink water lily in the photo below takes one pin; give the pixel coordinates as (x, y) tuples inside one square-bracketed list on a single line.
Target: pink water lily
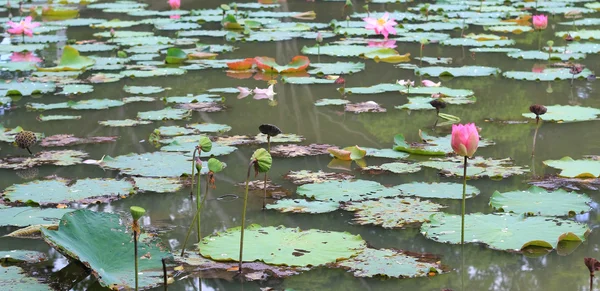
[(384, 25), (24, 27), (540, 21), (465, 139), (429, 83), (264, 93), (24, 57), (175, 4), (244, 91), (383, 44)]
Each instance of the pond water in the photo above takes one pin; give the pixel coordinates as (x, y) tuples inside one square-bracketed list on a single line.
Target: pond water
[(293, 110)]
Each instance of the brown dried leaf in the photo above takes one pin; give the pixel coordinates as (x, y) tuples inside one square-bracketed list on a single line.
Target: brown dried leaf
[(62, 140), (294, 150), (306, 177), (202, 106)]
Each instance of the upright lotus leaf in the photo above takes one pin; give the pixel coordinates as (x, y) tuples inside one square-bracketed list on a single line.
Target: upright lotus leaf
[(508, 232), (429, 145), (25, 216), (303, 206), (286, 246), (477, 167), (538, 201), (436, 190), (83, 236), (262, 160), (567, 113), (392, 212), (205, 144), (583, 168), (343, 191), (215, 165), (175, 56), (14, 278), (390, 263), (267, 64), (70, 61)]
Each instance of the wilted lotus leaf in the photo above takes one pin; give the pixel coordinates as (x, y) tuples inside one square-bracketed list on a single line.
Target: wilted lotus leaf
[(468, 71), (257, 187), (143, 89), (63, 140), (436, 190), (293, 150), (537, 201), (75, 239), (158, 185), (19, 256), (57, 158), (547, 75), (155, 164), (298, 64), (336, 68), (508, 232), (288, 246), (202, 106), (53, 192), (303, 206), (165, 114), (15, 278), (326, 102), (361, 107), (342, 191), (282, 137), (123, 123), (305, 177), (396, 168), (8, 134), (58, 117), (567, 113), (477, 167), (429, 145), (25, 88), (71, 61), (392, 212), (390, 263), (348, 154), (583, 168)]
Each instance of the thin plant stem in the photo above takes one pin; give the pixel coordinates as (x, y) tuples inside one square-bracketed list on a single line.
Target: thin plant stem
[(199, 212), (537, 126), (462, 269), (540, 40), (591, 281), (462, 216), (196, 216), (198, 206), (193, 168), (187, 236), (165, 279), (135, 254), (265, 181), (244, 217)]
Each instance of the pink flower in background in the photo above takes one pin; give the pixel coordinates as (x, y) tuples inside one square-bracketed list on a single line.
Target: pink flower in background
[(25, 27), (24, 57), (429, 83), (175, 4), (538, 68), (384, 25), (244, 91), (319, 37), (264, 93), (384, 44), (540, 21), (465, 139), (176, 16)]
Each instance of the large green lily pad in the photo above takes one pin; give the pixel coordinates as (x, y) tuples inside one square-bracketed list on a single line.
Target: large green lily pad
[(583, 168), (303, 206), (158, 185), (567, 113), (343, 191), (287, 246), (18, 256), (82, 235), (25, 216), (165, 114), (14, 278), (25, 88), (389, 263), (436, 190), (155, 164), (477, 167), (70, 61), (509, 232), (52, 192), (538, 201), (392, 212)]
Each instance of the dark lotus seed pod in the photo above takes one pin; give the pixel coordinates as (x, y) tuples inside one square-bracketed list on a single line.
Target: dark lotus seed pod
[(538, 109), (438, 104), (269, 129), (25, 139)]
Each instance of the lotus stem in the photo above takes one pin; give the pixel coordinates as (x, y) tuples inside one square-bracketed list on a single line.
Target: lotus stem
[(592, 281), (198, 205), (193, 168), (540, 40), (199, 212), (318, 53), (537, 127), (187, 236), (135, 253), (244, 217), (464, 193), (265, 181), (165, 279), (29, 151)]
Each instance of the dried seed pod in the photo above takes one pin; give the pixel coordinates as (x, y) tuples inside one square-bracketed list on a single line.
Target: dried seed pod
[(438, 104), (538, 109), (269, 129)]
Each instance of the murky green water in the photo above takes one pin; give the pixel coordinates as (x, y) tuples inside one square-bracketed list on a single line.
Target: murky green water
[(497, 98)]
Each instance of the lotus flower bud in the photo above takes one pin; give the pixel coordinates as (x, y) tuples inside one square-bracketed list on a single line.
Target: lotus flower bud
[(198, 164), (319, 37), (465, 139), (569, 38), (112, 32)]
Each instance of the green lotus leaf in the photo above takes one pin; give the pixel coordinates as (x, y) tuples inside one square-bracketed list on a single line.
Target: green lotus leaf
[(153, 73), (576, 47), (25, 88), (58, 117), (155, 164), (165, 114), (20, 256), (447, 92), (175, 56), (539, 55), (90, 104), (396, 168), (18, 66), (14, 278), (94, 47), (262, 160), (305, 177), (583, 168), (508, 232), (477, 167), (343, 191), (475, 43), (510, 28), (115, 24), (437, 190), (392, 212), (288, 246), (385, 153), (178, 26), (21, 48), (336, 68), (435, 61), (423, 103), (469, 71), (189, 146), (123, 123), (76, 89), (209, 127), (25, 216), (303, 206), (206, 98), (379, 88), (306, 80), (581, 22), (580, 34), (143, 89), (389, 263), (538, 201), (567, 113), (494, 50), (77, 238), (174, 131), (430, 145), (70, 61), (123, 33), (158, 185), (547, 75)]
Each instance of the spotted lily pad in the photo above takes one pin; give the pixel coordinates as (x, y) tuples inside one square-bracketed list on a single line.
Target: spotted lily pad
[(57, 158), (70, 61), (509, 232), (14, 278), (305, 177), (477, 167), (396, 168), (303, 206), (155, 164), (436, 190), (538, 201), (342, 191), (392, 212), (165, 114), (158, 185), (143, 89), (389, 263), (567, 113), (18, 256), (583, 168), (75, 239), (288, 246), (52, 192), (468, 71)]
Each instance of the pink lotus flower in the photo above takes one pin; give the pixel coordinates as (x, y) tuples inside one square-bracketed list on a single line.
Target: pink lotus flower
[(244, 91), (264, 93), (175, 4), (429, 83), (384, 25), (540, 21), (24, 27), (176, 16), (465, 139), (384, 44), (538, 68), (24, 57)]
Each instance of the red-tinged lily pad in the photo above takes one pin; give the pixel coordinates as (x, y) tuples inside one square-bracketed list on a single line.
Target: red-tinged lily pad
[(298, 64), (243, 65), (294, 150), (63, 140)]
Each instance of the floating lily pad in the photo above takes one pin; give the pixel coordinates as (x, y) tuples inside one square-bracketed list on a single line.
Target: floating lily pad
[(379, 88), (477, 167), (25, 216), (584, 168), (18, 256), (216, 150), (430, 145), (14, 278), (389, 263), (396, 168), (327, 102), (52, 192), (62, 140), (476, 43), (75, 238), (288, 246), (303, 206), (123, 123), (423, 103), (57, 158), (165, 114), (76, 89), (567, 113), (392, 212), (538, 201), (306, 80), (342, 191), (153, 73), (202, 98), (336, 68), (155, 164), (305, 177), (143, 89), (547, 75), (90, 104), (58, 117), (580, 34), (25, 88), (209, 127), (70, 61), (158, 185), (362, 107), (293, 150), (469, 71), (384, 153), (539, 55), (508, 232), (436, 190)]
